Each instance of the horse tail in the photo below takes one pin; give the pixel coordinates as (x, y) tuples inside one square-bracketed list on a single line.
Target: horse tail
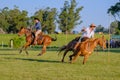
[(54, 39), (61, 49)]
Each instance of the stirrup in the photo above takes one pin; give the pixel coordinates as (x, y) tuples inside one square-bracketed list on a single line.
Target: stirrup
[(35, 43)]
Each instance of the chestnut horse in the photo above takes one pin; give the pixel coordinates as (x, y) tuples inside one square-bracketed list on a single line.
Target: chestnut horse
[(44, 40), (70, 46), (87, 47)]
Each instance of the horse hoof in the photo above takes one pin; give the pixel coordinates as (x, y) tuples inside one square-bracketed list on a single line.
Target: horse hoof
[(62, 61), (39, 54), (71, 62), (20, 52), (70, 58)]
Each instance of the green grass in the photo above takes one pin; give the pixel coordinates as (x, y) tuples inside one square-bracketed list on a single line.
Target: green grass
[(5, 38), (100, 66), (14, 66)]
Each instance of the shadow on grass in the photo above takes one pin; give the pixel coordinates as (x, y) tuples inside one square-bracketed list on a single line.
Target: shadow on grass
[(38, 60), (113, 50), (8, 54)]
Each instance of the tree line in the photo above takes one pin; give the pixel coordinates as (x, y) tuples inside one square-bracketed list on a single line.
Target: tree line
[(114, 27), (12, 19), (114, 10)]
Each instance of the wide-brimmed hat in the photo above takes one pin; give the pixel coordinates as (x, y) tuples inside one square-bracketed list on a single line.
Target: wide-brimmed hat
[(36, 19), (92, 25)]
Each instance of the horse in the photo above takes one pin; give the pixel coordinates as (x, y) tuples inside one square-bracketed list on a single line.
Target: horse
[(44, 40), (86, 48), (70, 46)]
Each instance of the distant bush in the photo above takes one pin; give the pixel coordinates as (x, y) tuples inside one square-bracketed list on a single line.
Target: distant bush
[(18, 42)]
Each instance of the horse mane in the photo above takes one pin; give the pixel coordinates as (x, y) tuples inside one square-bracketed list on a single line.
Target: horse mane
[(76, 39), (89, 42), (21, 27)]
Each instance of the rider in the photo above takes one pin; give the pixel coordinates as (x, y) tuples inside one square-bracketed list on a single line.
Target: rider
[(38, 29), (86, 33)]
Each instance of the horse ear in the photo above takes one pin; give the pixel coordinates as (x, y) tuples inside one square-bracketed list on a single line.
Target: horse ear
[(22, 27), (103, 36)]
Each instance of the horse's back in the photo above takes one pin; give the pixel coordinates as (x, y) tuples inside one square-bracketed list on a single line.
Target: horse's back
[(86, 47)]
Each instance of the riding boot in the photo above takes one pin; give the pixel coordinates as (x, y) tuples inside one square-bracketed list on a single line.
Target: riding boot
[(35, 41), (40, 37), (76, 45)]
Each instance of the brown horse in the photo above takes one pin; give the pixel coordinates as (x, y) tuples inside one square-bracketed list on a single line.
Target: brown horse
[(87, 47), (44, 40), (70, 46)]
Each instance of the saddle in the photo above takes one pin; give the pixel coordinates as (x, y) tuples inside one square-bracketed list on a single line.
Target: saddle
[(84, 39), (40, 36)]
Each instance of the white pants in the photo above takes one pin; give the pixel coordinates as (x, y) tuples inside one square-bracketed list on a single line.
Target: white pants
[(37, 32)]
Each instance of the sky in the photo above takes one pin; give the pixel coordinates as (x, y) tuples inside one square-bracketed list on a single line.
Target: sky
[(94, 11)]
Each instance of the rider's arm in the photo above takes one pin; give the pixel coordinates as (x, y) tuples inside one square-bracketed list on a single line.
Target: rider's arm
[(83, 30), (38, 25)]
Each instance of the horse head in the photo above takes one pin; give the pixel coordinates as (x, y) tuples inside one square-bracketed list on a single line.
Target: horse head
[(23, 31), (102, 42)]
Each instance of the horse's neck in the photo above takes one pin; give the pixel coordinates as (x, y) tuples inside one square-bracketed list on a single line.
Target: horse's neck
[(88, 45), (97, 41), (92, 43), (28, 33)]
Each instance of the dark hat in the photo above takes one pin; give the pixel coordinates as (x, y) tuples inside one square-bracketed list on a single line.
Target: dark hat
[(92, 25), (36, 19)]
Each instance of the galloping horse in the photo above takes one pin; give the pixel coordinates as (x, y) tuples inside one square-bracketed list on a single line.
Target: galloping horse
[(44, 40), (87, 47), (70, 46)]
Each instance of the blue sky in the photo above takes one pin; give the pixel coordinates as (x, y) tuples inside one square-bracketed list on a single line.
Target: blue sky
[(95, 11)]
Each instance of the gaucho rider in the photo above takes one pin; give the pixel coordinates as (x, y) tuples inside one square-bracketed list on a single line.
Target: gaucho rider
[(38, 29), (86, 33)]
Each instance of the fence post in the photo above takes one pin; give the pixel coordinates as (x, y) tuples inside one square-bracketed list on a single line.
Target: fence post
[(2, 44), (11, 43)]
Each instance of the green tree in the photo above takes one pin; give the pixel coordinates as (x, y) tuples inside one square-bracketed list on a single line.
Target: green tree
[(12, 19), (117, 30), (115, 10), (3, 18), (47, 18), (17, 19), (69, 16), (99, 28), (114, 27)]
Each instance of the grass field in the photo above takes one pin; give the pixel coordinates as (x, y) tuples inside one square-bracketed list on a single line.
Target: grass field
[(100, 66), (14, 66)]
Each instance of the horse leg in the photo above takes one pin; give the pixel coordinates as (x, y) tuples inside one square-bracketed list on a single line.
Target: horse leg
[(26, 50), (21, 50), (85, 58), (26, 46), (75, 57), (72, 56), (74, 53), (61, 49), (43, 50), (64, 55)]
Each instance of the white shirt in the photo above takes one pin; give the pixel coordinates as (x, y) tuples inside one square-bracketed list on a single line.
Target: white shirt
[(87, 33)]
